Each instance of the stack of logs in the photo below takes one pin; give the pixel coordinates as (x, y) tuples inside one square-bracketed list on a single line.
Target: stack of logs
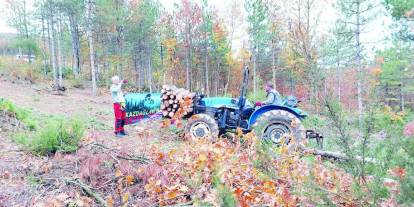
[(176, 102)]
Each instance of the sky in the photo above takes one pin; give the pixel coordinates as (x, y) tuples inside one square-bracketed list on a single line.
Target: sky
[(377, 30)]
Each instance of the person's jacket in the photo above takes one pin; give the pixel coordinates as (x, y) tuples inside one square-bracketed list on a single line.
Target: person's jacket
[(273, 97)]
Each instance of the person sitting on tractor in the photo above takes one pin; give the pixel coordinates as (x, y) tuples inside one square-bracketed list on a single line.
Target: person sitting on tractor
[(119, 105), (273, 97)]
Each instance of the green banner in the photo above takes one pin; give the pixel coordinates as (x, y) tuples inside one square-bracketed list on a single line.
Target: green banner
[(142, 106)]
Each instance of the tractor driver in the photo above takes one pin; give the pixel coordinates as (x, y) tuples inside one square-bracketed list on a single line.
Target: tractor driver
[(273, 97)]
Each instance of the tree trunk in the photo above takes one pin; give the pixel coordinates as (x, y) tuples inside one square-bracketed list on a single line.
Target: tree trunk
[(274, 65), (26, 30), (254, 72), (206, 65), (59, 51), (217, 78), (162, 64), (149, 55), (74, 31), (44, 45), (119, 47), (53, 55), (141, 68), (402, 107), (358, 61), (49, 41), (89, 15), (188, 56), (338, 74), (226, 87)]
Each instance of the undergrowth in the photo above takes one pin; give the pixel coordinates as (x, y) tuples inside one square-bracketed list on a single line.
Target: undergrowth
[(21, 114), (45, 134), (56, 135)]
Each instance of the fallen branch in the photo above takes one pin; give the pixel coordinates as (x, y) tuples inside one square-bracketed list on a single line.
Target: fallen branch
[(336, 155), (87, 190), (140, 159), (181, 204)]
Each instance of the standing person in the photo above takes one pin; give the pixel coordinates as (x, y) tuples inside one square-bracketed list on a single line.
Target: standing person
[(119, 105)]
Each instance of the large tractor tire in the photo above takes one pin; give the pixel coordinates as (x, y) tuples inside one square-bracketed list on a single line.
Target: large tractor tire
[(202, 126), (280, 127)]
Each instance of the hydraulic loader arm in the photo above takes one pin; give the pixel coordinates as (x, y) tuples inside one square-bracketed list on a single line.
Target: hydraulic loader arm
[(243, 90)]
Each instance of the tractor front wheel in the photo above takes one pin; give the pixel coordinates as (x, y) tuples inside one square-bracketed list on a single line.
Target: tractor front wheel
[(201, 126), (280, 127)]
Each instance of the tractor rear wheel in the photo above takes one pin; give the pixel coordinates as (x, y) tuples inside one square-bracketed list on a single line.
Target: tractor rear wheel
[(279, 127), (201, 126)]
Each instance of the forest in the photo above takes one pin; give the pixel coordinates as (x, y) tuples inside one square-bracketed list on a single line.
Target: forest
[(349, 63)]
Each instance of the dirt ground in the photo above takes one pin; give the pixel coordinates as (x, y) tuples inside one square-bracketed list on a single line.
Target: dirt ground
[(19, 169)]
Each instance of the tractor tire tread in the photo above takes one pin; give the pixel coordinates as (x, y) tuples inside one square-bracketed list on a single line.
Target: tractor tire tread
[(206, 119), (298, 130)]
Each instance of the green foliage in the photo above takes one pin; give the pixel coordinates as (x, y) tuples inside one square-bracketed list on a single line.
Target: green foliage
[(56, 135), (225, 194), (380, 143), (395, 63), (398, 8), (257, 15), (263, 161), (259, 96), (27, 45), (21, 114)]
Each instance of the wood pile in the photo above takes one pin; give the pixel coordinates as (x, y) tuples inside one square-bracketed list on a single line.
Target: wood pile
[(176, 102)]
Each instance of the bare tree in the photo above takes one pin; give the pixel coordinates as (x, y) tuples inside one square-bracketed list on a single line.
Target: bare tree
[(90, 9)]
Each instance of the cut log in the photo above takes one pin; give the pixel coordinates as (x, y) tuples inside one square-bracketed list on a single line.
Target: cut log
[(176, 102), (171, 114)]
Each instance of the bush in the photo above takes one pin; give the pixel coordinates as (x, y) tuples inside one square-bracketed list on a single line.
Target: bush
[(20, 69), (56, 136), (388, 175), (77, 83)]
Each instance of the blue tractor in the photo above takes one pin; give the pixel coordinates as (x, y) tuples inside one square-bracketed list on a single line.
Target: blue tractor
[(216, 115)]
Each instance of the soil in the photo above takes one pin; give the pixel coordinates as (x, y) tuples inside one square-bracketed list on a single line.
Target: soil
[(29, 180)]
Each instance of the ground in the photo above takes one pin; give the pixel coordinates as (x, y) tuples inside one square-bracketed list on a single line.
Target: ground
[(19, 170)]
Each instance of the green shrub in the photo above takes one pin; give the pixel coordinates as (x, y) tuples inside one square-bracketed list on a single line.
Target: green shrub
[(76, 83), (57, 135), (225, 194)]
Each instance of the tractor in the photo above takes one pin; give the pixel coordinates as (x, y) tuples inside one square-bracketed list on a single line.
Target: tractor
[(213, 116)]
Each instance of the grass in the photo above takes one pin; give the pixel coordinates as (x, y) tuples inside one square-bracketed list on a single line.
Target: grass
[(53, 135), (21, 114)]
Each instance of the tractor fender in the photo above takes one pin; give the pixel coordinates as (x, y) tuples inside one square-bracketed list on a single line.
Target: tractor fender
[(256, 114)]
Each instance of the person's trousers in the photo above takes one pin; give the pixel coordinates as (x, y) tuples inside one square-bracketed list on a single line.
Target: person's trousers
[(119, 117)]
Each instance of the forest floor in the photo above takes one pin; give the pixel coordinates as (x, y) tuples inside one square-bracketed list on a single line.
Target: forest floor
[(27, 179)]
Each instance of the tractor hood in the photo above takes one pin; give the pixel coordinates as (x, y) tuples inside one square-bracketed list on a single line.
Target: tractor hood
[(218, 102)]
